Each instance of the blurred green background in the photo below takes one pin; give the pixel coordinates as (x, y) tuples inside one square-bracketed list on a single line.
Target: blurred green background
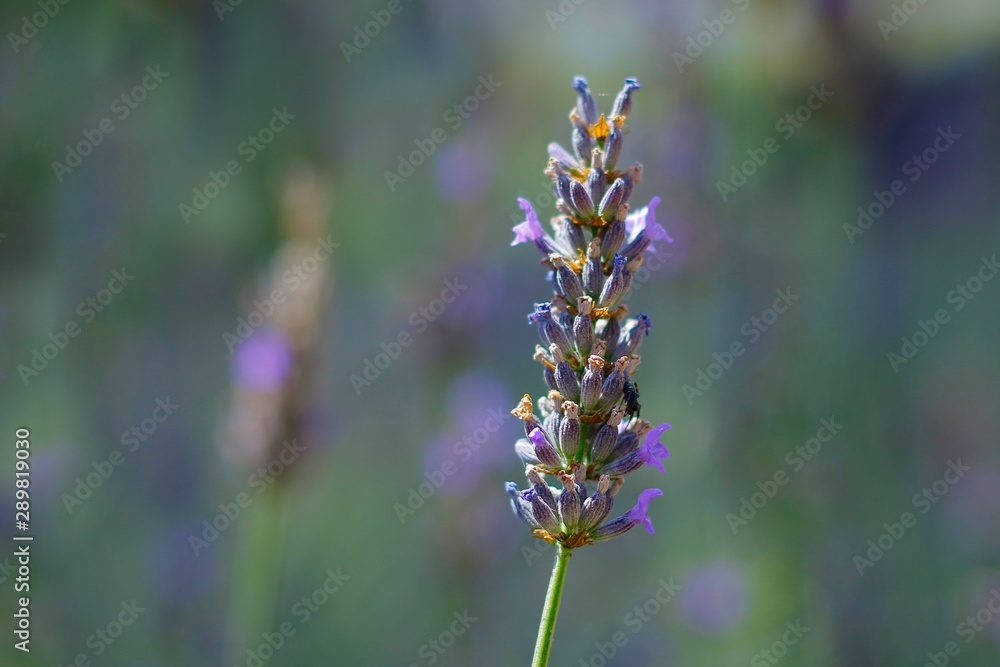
[(308, 113)]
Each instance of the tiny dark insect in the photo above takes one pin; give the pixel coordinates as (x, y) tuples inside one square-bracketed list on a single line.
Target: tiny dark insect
[(630, 397)]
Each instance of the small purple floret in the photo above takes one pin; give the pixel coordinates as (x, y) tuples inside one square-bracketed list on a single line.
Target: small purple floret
[(639, 513), (652, 452), (643, 221), (530, 229)]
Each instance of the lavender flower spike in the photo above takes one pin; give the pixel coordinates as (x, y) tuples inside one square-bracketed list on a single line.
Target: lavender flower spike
[(591, 432)]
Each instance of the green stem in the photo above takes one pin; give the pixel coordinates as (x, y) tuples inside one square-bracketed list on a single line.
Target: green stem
[(256, 571), (548, 623)]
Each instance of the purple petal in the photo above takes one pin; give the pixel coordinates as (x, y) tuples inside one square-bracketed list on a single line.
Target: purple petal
[(530, 229), (537, 437), (652, 452), (639, 513), (643, 221)]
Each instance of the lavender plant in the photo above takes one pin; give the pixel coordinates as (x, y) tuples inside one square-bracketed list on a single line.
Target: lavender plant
[(589, 430)]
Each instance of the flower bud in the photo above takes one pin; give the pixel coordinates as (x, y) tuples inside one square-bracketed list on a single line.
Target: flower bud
[(607, 437), (521, 508), (623, 103), (567, 279), (569, 505), (556, 400), (549, 330), (562, 187), (596, 185), (627, 443), (563, 244), (583, 144), (586, 105), (615, 287), (550, 424), (581, 200), (629, 182), (539, 487), (614, 235), (635, 516), (574, 233), (544, 450), (583, 326), (613, 146), (636, 247), (611, 390), (593, 380), (597, 507), (593, 272), (569, 430), (624, 465), (612, 200), (549, 375), (544, 515), (566, 379), (612, 529)]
